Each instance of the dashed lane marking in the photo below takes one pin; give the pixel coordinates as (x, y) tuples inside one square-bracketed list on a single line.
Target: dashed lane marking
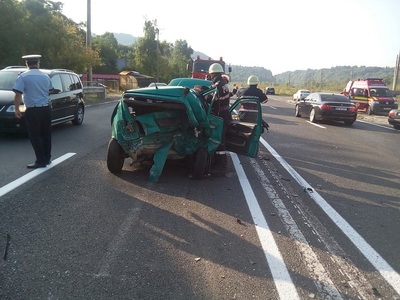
[(283, 282), (380, 264)]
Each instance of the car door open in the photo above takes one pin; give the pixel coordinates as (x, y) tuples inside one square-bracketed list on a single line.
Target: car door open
[(245, 128)]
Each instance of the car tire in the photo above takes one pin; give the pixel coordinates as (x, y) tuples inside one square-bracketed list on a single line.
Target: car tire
[(115, 156), (297, 111), (201, 163), (79, 115), (312, 116)]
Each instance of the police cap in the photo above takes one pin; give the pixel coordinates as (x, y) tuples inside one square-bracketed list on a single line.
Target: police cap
[(32, 58)]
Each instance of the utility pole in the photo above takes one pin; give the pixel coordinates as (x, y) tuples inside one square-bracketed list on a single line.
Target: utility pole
[(321, 80), (158, 55), (396, 72), (89, 38)]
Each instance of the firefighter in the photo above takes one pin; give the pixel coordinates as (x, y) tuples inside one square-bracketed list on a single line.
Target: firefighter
[(220, 108), (249, 111)]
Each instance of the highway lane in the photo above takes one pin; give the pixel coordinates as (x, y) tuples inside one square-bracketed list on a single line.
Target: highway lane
[(78, 231)]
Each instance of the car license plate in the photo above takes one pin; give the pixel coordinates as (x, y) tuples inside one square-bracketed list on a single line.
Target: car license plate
[(341, 108)]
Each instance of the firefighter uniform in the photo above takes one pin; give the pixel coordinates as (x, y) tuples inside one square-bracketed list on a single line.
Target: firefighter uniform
[(248, 112), (35, 86), (220, 108)]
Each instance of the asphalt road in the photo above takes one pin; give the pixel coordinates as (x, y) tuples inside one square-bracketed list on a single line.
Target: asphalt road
[(315, 216)]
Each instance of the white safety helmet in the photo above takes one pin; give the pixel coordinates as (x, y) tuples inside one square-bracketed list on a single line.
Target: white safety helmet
[(215, 68), (252, 80)]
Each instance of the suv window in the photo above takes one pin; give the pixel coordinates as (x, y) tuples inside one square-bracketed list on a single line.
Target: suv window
[(76, 82), (68, 84), (56, 81)]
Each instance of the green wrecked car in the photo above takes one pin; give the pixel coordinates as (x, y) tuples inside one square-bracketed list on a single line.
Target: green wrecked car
[(175, 122)]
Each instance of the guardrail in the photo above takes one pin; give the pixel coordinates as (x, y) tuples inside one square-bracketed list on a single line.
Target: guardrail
[(101, 92)]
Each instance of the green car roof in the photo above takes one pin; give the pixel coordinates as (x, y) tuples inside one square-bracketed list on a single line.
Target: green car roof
[(189, 82)]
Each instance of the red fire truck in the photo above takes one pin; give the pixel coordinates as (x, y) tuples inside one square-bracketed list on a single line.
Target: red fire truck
[(199, 67), (371, 95)]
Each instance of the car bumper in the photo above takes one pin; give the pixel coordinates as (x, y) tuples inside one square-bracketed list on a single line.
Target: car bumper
[(393, 121), (12, 125), (383, 109), (337, 116)]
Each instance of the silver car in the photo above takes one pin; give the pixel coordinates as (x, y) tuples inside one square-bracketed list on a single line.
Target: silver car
[(301, 95)]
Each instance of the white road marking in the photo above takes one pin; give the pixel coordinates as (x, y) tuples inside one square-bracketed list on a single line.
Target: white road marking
[(20, 181), (284, 284), (378, 125), (320, 126), (387, 272), (316, 269), (354, 277)]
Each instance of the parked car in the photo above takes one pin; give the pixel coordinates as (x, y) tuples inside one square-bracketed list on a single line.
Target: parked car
[(394, 118), (301, 95), (327, 107), (270, 90), (67, 103)]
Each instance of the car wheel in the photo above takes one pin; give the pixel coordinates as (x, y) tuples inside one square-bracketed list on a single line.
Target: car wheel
[(201, 163), (79, 115), (115, 156), (297, 111), (312, 116)]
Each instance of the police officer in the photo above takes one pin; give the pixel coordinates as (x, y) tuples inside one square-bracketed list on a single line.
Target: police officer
[(35, 86), (220, 108), (249, 111)]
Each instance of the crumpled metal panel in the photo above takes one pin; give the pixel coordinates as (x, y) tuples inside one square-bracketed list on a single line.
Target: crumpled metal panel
[(170, 131)]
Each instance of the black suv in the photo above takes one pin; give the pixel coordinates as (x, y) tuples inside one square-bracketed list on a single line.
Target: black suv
[(67, 102)]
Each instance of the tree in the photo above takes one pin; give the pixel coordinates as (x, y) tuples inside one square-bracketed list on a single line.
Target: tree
[(13, 24), (107, 46), (145, 50), (181, 53), (39, 27)]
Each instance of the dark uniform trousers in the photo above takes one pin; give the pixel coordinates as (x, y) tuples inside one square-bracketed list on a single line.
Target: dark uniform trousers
[(220, 157), (38, 121)]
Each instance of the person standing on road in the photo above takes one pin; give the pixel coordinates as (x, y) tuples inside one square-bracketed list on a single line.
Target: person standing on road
[(249, 111), (35, 86), (220, 108)]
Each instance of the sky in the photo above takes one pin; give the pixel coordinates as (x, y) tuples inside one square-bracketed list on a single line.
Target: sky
[(279, 35)]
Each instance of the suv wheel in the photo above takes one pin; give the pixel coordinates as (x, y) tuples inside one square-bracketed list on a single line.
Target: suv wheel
[(79, 115)]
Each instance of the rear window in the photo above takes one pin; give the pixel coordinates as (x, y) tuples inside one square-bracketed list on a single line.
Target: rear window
[(334, 98)]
